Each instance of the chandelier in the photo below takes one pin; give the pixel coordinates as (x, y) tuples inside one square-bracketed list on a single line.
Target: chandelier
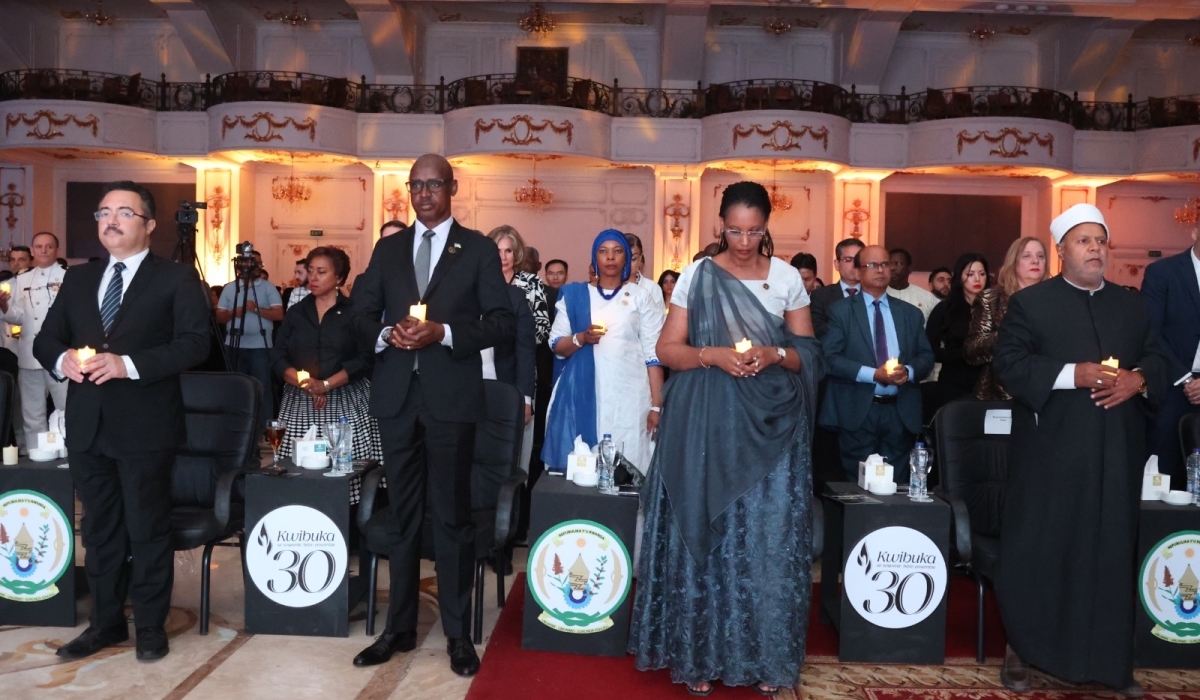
[(293, 17), (777, 25), (1189, 214), (291, 189), (98, 17), (982, 32), (536, 197), (537, 20), (779, 200)]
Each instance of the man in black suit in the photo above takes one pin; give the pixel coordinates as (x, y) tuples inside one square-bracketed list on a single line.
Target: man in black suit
[(427, 392), (873, 409), (1171, 289), (147, 319), (848, 285)]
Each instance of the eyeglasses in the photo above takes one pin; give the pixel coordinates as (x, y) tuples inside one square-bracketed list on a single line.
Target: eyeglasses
[(124, 212), (848, 259), (871, 267), (433, 185), (749, 235)]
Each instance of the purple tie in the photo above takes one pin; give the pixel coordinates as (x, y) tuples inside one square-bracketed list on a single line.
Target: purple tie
[(851, 291), (881, 351)]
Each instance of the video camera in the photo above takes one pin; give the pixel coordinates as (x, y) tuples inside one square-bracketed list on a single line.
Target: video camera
[(245, 263), (187, 214)]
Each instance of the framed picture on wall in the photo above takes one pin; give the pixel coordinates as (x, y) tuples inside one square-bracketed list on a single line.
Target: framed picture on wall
[(542, 70)]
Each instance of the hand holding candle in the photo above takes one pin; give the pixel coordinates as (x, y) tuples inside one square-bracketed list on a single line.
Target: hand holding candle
[(1112, 362), (600, 327), (15, 330), (743, 345), (5, 287), (84, 354), (417, 311), (301, 377)]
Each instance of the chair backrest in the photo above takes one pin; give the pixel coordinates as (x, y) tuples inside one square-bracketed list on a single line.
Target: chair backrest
[(7, 393), (974, 465), (497, 443), (1189, 433), (221, 413)]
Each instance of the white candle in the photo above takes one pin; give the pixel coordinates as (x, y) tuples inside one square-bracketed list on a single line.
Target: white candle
[(601, 327), (301, 377), (1112, 362), (743, 345), (84, 354), (5, 287), (891, 365), (15, 330), (417, 311), (10, 455)]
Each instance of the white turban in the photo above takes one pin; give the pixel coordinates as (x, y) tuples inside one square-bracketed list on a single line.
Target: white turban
[(1078, 214)]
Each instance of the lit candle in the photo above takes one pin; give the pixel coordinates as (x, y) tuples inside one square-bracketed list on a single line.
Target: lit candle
[(10, 455), (891, 365), (600, 326), (1112, 362), (417, 311), (15, 330), (5, 287), (301, 377), (743, 345), (84, 354)]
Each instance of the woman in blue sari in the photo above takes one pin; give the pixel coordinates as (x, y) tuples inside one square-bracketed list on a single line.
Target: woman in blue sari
[(725, 579)]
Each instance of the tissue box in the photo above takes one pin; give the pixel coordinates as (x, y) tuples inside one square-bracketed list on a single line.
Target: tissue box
[(308, 448), (580, 463), (49, 441), (879, 472), (1154, 486)]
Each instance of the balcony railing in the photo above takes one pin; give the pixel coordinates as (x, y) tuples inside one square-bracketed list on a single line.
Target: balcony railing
[(581, 93)]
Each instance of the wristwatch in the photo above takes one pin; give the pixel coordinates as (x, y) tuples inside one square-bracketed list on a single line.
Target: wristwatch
[(782, 354), (1143, 388), (575, 340), (326, 383)]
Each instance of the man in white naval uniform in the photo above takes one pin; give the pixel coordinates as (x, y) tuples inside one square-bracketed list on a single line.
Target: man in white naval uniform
[(33, 291)]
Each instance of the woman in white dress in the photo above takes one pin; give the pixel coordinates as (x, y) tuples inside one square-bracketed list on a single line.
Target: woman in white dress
[(607, 375)]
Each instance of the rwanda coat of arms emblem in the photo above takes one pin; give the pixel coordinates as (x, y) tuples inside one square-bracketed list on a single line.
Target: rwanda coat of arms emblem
[(1169, 582), (579, 574), (36, 546)]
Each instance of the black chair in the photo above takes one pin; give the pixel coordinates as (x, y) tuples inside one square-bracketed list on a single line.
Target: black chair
[(974, 471), (1189, 434), (497, 483), (220, 409), (8, 390)]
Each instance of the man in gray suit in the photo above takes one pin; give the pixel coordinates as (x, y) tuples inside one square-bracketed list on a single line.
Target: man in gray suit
[(846, 287), (874, 410)]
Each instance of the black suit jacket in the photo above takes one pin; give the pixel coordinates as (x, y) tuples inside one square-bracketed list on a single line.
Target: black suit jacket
[(819, 302), (163, 326), (848, 347), (1173, 300), (515, 360), (466, 292)]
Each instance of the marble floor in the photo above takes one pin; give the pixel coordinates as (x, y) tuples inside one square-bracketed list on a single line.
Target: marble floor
[(227, 663)]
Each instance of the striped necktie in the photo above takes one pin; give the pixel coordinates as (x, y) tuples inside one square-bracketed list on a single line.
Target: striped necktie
[(112, 297)]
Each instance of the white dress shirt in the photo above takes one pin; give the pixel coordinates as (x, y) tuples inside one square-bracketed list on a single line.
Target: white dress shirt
[(132, 263), (441, 234)]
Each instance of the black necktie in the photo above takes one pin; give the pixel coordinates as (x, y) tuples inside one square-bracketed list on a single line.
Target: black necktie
[(881, 350), (112, 297)]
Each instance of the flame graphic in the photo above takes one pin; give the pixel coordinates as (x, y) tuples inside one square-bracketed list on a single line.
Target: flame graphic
[(264, 539), (864, 557)]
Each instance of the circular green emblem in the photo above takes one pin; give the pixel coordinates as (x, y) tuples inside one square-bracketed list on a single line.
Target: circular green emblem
[(1168, 586), (579, 573), (36, 546)]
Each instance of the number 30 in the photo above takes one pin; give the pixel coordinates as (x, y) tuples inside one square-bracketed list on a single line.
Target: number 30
[(896, 599)]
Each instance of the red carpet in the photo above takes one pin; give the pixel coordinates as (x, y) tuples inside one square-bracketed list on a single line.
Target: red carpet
[(510, 673)]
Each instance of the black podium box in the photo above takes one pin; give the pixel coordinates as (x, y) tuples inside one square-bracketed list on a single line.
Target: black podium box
[(37, 544), (1169, 639), (297, 575), (580, 569), (884, 576)]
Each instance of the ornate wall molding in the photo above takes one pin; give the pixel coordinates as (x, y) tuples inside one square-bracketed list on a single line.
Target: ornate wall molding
[(45, 124), (12, 200), (1010, 142), (772, 134), (526, 135), (254, 125)]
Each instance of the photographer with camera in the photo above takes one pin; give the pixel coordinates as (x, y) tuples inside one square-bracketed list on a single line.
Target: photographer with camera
[(249, 307)]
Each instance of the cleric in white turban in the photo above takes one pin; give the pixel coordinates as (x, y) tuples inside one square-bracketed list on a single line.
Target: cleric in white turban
[(1068, 530)]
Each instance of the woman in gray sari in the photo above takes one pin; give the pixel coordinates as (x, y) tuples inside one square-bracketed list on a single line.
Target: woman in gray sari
[(725, 575)]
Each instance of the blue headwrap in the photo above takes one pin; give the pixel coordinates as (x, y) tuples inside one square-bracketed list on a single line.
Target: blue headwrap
[(613, 235)]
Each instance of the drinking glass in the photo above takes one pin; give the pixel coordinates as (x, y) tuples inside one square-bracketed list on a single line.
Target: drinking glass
[(333, 436), (275, 430), (920, 478)]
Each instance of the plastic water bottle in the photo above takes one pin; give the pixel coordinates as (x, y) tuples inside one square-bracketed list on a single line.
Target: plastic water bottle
[(918, 474), (344, 454), (607, 464), (1193, 476)]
